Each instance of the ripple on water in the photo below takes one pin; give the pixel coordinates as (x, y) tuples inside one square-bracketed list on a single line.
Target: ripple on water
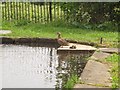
[(37, 67)]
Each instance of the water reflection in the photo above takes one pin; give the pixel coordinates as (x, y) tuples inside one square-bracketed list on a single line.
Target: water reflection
[(38, 67), (68, 65)]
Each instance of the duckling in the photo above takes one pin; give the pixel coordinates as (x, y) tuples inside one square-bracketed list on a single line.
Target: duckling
[(73, 47), (61, 41)]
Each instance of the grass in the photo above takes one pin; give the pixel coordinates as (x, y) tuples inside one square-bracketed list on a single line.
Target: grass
[(69, 32), (71, 82), (110, 37), (113, 60)]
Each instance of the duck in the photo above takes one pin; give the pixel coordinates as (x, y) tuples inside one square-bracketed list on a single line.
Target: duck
[(62, 41), (73, 47)]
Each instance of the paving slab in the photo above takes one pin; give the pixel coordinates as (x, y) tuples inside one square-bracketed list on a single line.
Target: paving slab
[(83, 49), (5, 31), (96, 73), (78, 47), (110, 50), (100, 55)]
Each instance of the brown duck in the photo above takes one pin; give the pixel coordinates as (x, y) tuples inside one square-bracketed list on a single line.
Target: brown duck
[(61, 41)]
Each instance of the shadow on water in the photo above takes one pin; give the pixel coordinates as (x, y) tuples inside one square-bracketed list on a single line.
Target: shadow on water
[(39, 66)]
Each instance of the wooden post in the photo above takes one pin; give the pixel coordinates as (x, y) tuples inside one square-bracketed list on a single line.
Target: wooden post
[(38, 16), (11, 10), (44, 12), (41, 13), (54, 11), (47, 12), (22, 10), (32, 11), (17, 10), (8, 4), (26, 17), (58, 13), (28, 11), (5, 11), (101, 40), (35, 13), (50, 10)]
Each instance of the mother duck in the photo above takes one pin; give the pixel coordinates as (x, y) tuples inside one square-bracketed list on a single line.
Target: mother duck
[(61, 41)]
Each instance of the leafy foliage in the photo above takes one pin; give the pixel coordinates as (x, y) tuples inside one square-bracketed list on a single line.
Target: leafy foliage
[(90, 12)]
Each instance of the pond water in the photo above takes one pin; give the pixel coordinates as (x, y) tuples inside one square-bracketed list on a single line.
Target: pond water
[(38, 67)]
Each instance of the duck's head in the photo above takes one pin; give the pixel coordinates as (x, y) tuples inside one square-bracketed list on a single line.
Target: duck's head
[(58, 33)]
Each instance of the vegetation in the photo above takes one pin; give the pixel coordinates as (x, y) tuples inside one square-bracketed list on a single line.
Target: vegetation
[(76, 13), (71, 82), (77, 21), (113, 60), (23, 29), (90, 12)]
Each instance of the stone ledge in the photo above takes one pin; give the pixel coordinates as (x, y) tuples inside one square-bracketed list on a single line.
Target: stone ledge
[(96, 73), (99, 55), (79, 49), (5, 31), (110, 50), (28, 40)]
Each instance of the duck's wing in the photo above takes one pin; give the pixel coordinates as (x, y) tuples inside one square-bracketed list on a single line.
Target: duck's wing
[(63, 42)]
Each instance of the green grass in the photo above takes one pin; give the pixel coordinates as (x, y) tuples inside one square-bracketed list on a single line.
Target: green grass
[(71, 82), (113, 60), (110, 37)]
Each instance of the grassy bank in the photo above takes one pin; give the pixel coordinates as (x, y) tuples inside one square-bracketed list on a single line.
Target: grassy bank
[(113, 61), (21, 29)]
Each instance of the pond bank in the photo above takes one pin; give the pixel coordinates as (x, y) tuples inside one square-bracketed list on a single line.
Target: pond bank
[(96, 73), (8, 40)]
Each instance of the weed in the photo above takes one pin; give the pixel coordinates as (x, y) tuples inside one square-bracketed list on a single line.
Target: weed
[(71, 82)]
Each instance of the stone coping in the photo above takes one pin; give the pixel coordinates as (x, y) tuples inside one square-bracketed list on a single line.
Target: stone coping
[(5, 31), (9, 40), (110, 50), (86, 49)]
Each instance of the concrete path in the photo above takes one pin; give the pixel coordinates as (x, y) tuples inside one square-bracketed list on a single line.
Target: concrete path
[(96, 74), (100, 55), (110, 50), (5, 31)]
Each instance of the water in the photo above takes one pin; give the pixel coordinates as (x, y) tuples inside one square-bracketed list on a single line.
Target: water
[(38, 67)]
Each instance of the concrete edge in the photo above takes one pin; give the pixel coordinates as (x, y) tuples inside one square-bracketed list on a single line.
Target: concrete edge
[(9, 40)]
